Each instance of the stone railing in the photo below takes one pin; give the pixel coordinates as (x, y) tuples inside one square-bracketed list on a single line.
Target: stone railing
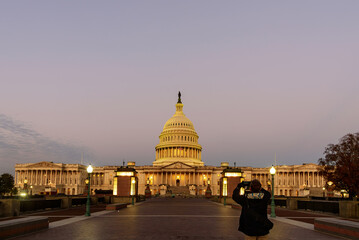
[(14, 207)]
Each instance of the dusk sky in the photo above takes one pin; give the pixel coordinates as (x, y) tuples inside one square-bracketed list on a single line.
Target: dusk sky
[(102, 77)]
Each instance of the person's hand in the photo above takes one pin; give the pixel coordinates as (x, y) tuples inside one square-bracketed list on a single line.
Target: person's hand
[(240, 185)]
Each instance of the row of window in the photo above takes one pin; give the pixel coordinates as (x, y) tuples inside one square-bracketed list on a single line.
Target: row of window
[(179, 125), (178, 138)]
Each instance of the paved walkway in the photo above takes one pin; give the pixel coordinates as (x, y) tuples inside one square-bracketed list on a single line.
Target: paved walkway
[(169, 219)]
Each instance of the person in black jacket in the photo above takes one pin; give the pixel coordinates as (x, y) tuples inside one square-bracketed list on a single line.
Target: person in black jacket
[(253, 221)]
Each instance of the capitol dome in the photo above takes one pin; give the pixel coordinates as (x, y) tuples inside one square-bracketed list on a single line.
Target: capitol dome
[(178, 141)]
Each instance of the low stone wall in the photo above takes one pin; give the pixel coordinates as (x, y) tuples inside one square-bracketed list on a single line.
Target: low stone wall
[(349, 209), (117, 199), (229, 200), (338, 227), (20, 226), (116, 206), (9, 207)]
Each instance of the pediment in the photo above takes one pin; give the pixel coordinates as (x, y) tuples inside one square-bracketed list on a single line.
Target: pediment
[(178, 165), (43, 165)]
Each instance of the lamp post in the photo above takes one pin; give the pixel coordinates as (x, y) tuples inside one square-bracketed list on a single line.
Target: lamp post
[(272, 172), (323, 192), (148, 190), (330, 190), (208, 193), (25, 187), (89, 171)]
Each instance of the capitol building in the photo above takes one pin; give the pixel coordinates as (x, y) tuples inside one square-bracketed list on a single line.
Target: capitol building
[(178, 168)]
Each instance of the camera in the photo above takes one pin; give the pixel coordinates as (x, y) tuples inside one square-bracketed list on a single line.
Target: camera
[(246, 184), (244, 187)]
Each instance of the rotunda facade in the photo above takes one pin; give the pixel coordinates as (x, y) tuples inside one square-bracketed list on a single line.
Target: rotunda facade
[(178, 141)]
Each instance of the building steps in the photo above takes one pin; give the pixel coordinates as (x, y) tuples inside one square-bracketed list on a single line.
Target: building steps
[(180, 190)]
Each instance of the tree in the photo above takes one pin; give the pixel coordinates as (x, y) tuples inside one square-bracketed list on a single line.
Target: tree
[(341, 164), (6, 183), (14, 191)]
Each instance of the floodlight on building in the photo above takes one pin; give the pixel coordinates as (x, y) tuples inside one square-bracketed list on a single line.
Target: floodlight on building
[(133, 186), (233, 174), (124, 174), (224, 193), (224, 190)]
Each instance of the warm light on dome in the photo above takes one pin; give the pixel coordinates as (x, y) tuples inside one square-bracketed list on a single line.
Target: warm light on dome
[(178, 141)]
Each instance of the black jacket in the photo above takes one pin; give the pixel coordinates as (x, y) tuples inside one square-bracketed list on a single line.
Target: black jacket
[(257, 202)]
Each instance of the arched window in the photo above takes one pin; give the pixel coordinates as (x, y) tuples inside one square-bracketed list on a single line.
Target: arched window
[(182, 138), (185, 138)]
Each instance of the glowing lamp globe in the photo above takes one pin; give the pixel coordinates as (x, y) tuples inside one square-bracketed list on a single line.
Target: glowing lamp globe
[(272, 170)]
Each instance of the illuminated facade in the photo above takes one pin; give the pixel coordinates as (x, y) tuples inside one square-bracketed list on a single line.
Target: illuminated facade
[(178, 169)]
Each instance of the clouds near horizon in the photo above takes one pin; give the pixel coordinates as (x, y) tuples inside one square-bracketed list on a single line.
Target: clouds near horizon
[(19, 143)]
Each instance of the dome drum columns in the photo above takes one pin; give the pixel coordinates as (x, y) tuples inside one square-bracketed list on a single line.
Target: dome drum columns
[(178, 152)]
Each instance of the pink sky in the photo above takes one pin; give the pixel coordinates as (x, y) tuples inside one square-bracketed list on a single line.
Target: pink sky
[(102, 78)]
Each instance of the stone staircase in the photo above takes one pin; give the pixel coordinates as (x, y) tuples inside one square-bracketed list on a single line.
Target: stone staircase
[(181, 190)]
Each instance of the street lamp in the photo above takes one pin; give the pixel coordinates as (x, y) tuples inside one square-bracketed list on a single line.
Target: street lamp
[(25, 186), (323, 192), (89, 171), (272, 172), (148, 190), (330, 189)]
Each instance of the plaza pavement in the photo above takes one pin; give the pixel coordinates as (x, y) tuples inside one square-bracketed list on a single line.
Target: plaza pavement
[(170, 218)]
